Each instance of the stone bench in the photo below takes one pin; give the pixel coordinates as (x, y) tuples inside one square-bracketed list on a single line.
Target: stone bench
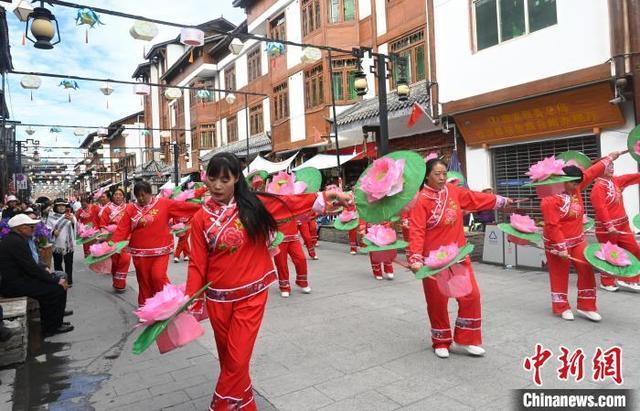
[(18, 313)]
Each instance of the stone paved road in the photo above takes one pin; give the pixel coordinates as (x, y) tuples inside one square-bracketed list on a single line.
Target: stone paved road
[(353, 344)]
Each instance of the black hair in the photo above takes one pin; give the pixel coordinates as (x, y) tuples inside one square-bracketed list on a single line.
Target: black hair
[(573, 171), (432, 163), (255, 218), (141, 187)]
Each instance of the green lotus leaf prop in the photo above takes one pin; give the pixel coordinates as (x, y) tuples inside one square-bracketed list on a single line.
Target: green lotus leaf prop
[(588, 225), (262, 173), (508, 229), (632, 143), (310, 176), (277, 240), (636, 222), (85, 240), (119, 247), (388, 207), (578, 157), (617, 271), (371, 247), (151, 333), (551, 180), (456, 175), (425, 271), (348, 226)]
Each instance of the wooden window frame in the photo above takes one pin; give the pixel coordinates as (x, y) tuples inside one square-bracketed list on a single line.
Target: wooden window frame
[(314, 87), (315, 16), (341, 18), (254, 63), (232, 136), (344, 72), (412, 48), (207, 128), (256, 119), (281, 102), (230, 77), (277, 30)]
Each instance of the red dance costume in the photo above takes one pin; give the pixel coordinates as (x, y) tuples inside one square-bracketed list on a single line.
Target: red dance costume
[(182, 247), (563, 231), (290, 246), (112, 214), (436, 220), (240, 271), (309, 233), (380, 260), (606, 198), (150, 241), (88, 216)]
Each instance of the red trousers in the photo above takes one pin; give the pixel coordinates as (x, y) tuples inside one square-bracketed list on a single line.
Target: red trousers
[(119, 269), (353, 239), (294, 249), (382, 258), (559, 279), (235, 326), (309, 237), (626, 241), (85, 249), (182, 247), (468, 329), (151, 273)]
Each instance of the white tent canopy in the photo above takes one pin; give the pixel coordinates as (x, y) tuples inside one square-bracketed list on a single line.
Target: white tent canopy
[(270, 167), (322, 161)]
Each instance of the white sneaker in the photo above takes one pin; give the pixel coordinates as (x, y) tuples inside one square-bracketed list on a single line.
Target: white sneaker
[(591, 315), (284, 294), (634, 287), (567, 315), (176, 260), (610, 288), (379, 277), (185, 259), (306, 290), (474, 350), (315, 257), (442, 352), (352, 252), (389, 276)]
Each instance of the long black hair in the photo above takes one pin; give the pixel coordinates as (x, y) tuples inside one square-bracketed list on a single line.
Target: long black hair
[(255, 218)]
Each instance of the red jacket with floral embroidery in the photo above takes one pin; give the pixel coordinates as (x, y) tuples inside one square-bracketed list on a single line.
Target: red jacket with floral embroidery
[(111, 214), (563, 214), (436, 218), (606, 198), (148, 226), (88, 216), (223, 254)]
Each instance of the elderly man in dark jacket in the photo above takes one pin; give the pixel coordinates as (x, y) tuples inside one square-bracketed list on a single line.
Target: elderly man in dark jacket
[(23, 277)]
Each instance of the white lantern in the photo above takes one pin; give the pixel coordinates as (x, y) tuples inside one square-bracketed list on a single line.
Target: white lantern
[(192, 37), (30, 82), (173, 93), (30, 131), (142, 89), (79, 132), (23, 10), (143, 30), (231, 98), (236, 46), (310, 55), (106, 89), (103, 132), (165, 134)]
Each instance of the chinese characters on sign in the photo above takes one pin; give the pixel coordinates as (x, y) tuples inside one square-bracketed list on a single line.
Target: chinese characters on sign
[(605, 364)]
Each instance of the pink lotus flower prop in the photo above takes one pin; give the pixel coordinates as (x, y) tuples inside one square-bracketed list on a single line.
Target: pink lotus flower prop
[(585, 219), (87, 231), (100, 249), (98, 194), (190, 184), (179, 226), (111, 228), (166, 192), (455, 282), (546, 168), (636, 148), (523, 223), (163, 304), (442, 256), (181, 331), (431, 156), (185, 195), (286, 184), (384, 179), (613, 254), (347, 215), (381, 235)]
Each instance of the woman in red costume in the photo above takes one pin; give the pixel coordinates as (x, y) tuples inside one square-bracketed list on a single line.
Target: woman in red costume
[(87, 214), (436, 220), (564, 238), (182, 247), (146, 225), (111, 215), (309, 233), (612, 223), (229, 248)]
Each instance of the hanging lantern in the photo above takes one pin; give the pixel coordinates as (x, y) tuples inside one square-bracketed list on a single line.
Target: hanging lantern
[(30, 131), (274, 49), (192, 37), (142, 89), (22, 10), (145, 133), (143, 30), (89, 18), (165, 134), (79, 132), (30, 83), (231, 98), (106, 89), (55, 130), (103, 132), (69, 85), (203, 95), (236, 46), (42, 28), (173, 93), (310, 55)]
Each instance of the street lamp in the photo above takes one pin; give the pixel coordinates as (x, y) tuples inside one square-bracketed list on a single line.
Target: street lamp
[(42, 28), (360, 83)]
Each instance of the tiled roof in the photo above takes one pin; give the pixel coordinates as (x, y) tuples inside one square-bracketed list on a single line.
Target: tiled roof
[(257, 143)]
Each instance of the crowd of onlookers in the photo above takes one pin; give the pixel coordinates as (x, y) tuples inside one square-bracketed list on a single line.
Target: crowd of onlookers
[(23, 273)]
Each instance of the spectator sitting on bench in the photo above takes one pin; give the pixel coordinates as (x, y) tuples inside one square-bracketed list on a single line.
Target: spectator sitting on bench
[(23, 277)]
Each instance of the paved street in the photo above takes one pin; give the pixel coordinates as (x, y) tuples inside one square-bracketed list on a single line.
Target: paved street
[(353, 344)]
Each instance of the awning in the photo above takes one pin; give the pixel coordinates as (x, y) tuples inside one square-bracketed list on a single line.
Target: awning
[(323, 161), (270, 167)]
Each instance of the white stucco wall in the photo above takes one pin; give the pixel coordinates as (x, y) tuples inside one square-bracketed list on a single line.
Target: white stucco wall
[(294, 32), (381, 17), (296, 107), (364, 8)]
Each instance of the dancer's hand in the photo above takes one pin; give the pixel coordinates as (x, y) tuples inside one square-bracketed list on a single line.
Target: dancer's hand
[(344, 199), (614, 155), (415, 267), (562, 254)]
